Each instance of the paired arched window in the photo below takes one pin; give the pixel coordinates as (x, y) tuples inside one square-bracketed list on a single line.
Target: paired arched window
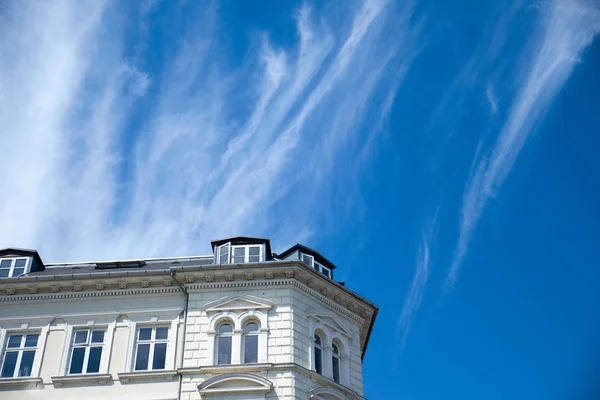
[(224, 343), (336, 362), (318, 354), (250, 343)]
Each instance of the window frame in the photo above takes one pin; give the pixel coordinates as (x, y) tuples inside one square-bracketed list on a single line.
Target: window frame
[(87, 346), (231, 251), (320, 347), (221, 335), (336, 356), (11, 269), (317, 266), (152, 342), (250, 334), (20, 350)]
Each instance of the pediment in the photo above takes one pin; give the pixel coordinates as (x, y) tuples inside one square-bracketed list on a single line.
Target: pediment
[(235, 383), (323, 393), (238, 303), (330, 321)]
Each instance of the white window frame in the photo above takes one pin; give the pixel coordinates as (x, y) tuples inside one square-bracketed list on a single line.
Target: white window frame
[(246, 248), (245, 335), (314, 348), (336, 356), (152, 342), (219, 249), (222, 335), (20, 350), (41, 325), (317, 266), (13, 260), (147, 318), (87, 346)]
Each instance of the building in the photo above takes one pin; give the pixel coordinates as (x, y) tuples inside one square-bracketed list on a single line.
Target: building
[(242, 323)]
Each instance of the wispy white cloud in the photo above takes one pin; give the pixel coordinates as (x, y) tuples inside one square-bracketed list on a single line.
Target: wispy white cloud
[(414, 296), (106, 157), (566, 29), (492, 99)]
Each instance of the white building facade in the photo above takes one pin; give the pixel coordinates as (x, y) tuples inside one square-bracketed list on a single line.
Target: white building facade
[(243, 323)]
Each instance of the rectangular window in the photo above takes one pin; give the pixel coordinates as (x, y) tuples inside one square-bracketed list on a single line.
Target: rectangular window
[(10, 267), (308, 260), (250, 349), (239, 254), (224, 350), (224, 254), (19, 355), (246, 253), (86, 351), (151, 348)]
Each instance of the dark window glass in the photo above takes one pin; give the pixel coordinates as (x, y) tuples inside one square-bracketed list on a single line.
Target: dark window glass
[(143, 354), (4, 273), (162, 333), (98, 337), (308, 260), (20, 263), (160, 355), (239, 254), (251, 327), (31, 340), (224, 350), (318, 360), (14, 341), (250, 349), (225, 328), (224, 254), (5, 263), (18, 271), (254, 254), (94, 359), (26, 363), (81, 337), (77, 360), (336, 369), (318, 339), (145, 334), (10, 362)]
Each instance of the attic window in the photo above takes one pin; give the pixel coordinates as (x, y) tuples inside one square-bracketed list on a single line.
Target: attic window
[(120, 264), (310, 261), (12, 267), (239, 254)]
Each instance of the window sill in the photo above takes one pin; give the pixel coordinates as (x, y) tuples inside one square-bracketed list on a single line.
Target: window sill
[(23, 381), (101, 379), (126, 377), (224, 368)]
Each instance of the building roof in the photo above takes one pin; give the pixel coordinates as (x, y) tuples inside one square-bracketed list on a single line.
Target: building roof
[(240, 240), (318, 256), (16, 251)]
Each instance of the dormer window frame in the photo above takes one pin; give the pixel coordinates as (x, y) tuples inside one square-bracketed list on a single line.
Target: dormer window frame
[(317, 266), (226, 253), (13, 265)]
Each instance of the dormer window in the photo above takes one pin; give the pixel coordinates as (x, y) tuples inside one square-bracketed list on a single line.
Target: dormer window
[(310, 261), (12, 267), (239, 254)]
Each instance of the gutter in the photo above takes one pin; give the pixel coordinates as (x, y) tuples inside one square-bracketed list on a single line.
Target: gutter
[(181, 352)]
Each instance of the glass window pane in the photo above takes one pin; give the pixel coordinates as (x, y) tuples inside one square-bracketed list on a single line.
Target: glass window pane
[(318, 361), (308, 260), (98, 337), (31, 340), (81, 337), (225, 328), (239, 254), (160, 355), (224, 254), (250, 349), (94, 360), (5, 263), (224, 350), (77, 360), (145, 334), (26, 363), (18, 271), (251, 327), (10, 362), (317, 339), (162, 333), (141, 359), (14, 341), (254, 259), (4, 273), (336, 369), (254, 251), (335, 349), (20, 263)]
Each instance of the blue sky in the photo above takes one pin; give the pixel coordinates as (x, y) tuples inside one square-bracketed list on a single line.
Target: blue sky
[(442, 154)]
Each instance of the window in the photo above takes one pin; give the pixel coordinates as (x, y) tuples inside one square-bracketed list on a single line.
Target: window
[(310, 261), (224, 338), (10, 267), (151, 348), (224, 254), (19, 355), (335, 362), (318, 354), (86, 351), (246, 254), (251, 343)]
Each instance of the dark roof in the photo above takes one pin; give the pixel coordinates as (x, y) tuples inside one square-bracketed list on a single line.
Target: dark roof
[(15, 251), (318, 256), (244, 240)]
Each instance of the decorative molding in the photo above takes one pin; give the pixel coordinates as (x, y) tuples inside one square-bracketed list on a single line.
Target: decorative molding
[(338, 299), (249, 275), (101, 379), (10, 290), (209, 277), (71, 295), (122, 284), (235, 383), (126, 377), (238, 303), (189, 278), (269, 274), (167, 281), (33, 289), (326, 291), (77, 286), (28, 381), (100, 286), (290, 273), (55, 288), (229, 276), (145, 283), (311, 283)]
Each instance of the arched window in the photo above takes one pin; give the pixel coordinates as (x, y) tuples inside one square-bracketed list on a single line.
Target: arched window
[(336, 362), (318, 354), (251, 343), (224, 338)]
